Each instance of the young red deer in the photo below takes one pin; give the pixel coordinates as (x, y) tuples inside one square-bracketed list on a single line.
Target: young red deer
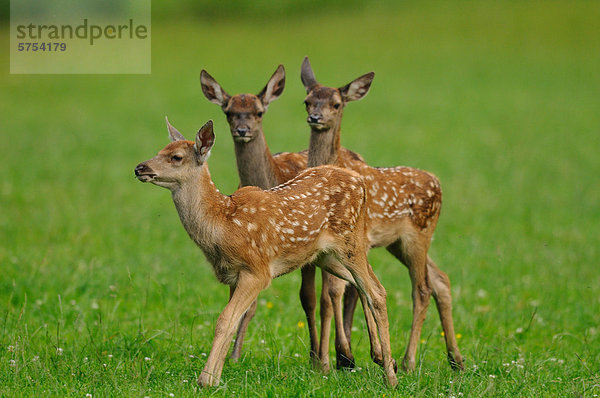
[(253, 236), (403, 208), (257, 167)]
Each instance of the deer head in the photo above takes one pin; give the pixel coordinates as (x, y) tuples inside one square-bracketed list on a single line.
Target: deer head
[(180, 160), (325, 105), (244, 111)]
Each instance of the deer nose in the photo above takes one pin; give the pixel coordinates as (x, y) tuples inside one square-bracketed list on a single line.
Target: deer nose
[(314, 118), (141, 168), (242, 131)]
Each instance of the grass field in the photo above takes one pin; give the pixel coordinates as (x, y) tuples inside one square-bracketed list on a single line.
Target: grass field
[(103, 293)]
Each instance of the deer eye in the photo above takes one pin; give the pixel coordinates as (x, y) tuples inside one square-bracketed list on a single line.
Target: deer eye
[(176, 158), (259, 114), (337, 105)]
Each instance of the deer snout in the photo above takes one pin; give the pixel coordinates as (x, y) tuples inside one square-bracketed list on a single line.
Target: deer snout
[(315, 118), (143, 172), (242, 131)]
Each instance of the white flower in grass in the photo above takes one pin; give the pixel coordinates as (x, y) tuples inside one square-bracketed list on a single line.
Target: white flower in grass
[(95, 305), (12, 363), (11, 348), (203, 354), (88, 395), (35, 358), (109, 356), (519, 330), (325, 377), (85, 359), (492, 376), (171, 394), (560, 361), (147, 359), (185, 381), (297, 355), (59, 351)]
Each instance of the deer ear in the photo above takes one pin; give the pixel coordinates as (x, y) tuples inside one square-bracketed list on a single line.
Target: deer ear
[(204, 141), (212, 90), (174, 135), (308, 76), (357, 88), (274, 87)]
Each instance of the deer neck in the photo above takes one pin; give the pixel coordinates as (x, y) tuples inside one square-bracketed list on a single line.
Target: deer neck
[(201, 207), (324, 147), (255, 163)]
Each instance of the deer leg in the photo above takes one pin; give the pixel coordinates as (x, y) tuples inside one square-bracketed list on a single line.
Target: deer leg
[(440, 284), (414, 256), (246, 291), (376, 351), (373, 297), (350, 299), (309, 304), (326, 315), (344, 357), (241, 332)]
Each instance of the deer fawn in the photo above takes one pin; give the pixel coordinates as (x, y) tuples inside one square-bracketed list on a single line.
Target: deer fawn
[(253, 236), (258, 167), (403, 207)]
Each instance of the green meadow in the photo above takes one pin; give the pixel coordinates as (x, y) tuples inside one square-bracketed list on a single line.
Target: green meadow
[(103, 293)]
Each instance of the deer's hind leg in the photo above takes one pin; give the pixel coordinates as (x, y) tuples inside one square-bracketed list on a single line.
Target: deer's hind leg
[(440, 284), (414, 255), (373, 297)]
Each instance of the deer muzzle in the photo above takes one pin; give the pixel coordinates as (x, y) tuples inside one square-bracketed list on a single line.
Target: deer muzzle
[(144, 173)]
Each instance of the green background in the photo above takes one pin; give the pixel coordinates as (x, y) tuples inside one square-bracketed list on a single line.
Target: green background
[(103, 293)]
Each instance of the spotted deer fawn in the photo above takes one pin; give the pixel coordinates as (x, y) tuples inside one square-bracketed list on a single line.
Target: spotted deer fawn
[(403, 207), (253, 236)]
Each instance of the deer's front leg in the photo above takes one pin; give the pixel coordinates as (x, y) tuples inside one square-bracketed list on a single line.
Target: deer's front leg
[(246, 291), (241, 332)]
